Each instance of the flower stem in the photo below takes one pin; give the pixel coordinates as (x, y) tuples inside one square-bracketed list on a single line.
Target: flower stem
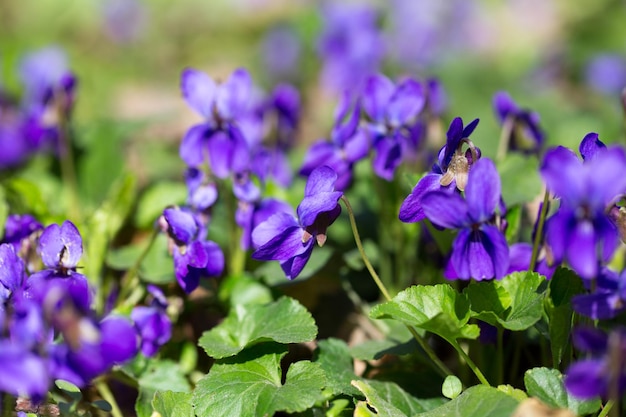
[(470, 363), (505, 137), (107, 395), (128, 279), (440, 366), (539, 232), (607, 408), (500, 356), (68, 169), (359, 245)]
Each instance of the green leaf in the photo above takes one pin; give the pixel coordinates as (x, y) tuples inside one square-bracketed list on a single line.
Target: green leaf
[(438, 309), (284, 321), (173, 404), (158, 266), (156, 198), (376, 349), (250, 385), (24, 196), (388, 399), (520, 178), (106, 222), (547, 385), (476, 401), (514, 221), (452, 387), (514, 302), (333, 356), (563, 286), (243, 289), (102, 405), (68, 388), (155, 375)]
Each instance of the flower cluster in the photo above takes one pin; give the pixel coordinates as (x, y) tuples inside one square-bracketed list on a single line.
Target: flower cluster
[(48, 329)]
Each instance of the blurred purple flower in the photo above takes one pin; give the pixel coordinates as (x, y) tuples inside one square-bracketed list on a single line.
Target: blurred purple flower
[(480, 250), (348, 144), (603, 371), (392, 111), (449, 174), (606, 73), (250, 214), (607, 299), (60, 248), (202, 190), (12, 274), (581, 232), (284, 238), (526, 135), (152, 322), (281, 49), (124, 20), (351, 46)]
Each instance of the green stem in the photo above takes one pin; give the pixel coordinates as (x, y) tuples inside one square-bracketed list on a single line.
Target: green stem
[(236, 255), (539, 232), (500, 356), (8, 405), (359, 245), (470, 363), (440, 366), (607, 408), (128, 281), (107, 395), (68, 169), (505, 137)]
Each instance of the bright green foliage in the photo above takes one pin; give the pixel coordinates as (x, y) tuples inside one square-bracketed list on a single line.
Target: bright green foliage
[(388, 399), (333, 356), (438, 309), (250, 385), (547, 385), (156, 198), (284, 321), (476, 401), (173, 404), (514, 302)]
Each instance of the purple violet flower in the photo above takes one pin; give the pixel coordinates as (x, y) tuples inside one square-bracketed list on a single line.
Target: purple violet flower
[(284, 238), (449, 174), (480, 250), (526, 135), (250, 214), (152, 322), (194, 257), (392, 110), (348, 145), (60, 247), (12, 274), (608, 298), (581, 231), (604, 370)]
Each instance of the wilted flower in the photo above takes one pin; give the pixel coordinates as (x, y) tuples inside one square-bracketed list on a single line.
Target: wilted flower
[(525, 133)]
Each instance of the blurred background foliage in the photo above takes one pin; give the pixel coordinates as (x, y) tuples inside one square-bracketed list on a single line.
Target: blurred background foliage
[(128, 55)]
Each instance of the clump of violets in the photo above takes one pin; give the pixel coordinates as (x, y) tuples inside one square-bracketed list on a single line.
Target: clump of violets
[(152, 322), (448, 175), (581, 232), (602, 373), (521, 126), (290, 240), (392, 112), (348, 144), (479, 250)]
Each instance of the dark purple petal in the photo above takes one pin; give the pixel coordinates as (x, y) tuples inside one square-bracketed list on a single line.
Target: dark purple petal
[(155, 328), (215, 262), (598, 306), (233, 95), (590, 145), (50, 288), (182, 224), (519, 257), (483, 190), (199, 91), (293, 266), (469, 129), (405, 104), (60, 246), (495, 245), (504, 105), (376, 95), (357, 146), (118, 340), (279, 238), (447, 210), (320, 153), (557, 232), (411, 210), (311, 207), (586, 379), (23, 373), (454, 136), (221, 149), (560, 170), (387, 157), (589, 339), (12, 274), (606, 177), (582, 251), (193, 147), (321, 180)]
